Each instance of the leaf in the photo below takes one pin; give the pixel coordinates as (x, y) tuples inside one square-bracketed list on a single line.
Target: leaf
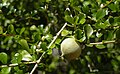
[(88, 58), (69, 19), (5, 70), (99, 34), (82, 21), (88, 30), (1, 30), (24, 44), (36, 36), (17, 58), (64, 33), (22, 30), (26, 56), (44, 45), (114, 7), (48, 37), (57, 41), (118, 34), (78, 33), (99, 59), (33, 27), (10, 28), (118, 58), (100, 14), (110, 45), (17, 70), (3, 57), (100, 46)]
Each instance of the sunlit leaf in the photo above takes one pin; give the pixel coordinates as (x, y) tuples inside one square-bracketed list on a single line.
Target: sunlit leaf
[(100, 46), (69, 19), (6, 70), (1, 30), (88, 30), (17, 58), (33, 27), (11, 28), (3, 57), (64, 33), (100, 14), (26, 56), (22, 30), (24, 44)]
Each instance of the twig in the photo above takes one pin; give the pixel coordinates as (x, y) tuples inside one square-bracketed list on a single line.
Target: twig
[(106, 4), (38, 61), (16, 64), (104, 42)]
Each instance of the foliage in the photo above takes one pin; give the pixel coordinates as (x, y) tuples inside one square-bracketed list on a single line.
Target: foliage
[(27, 27)]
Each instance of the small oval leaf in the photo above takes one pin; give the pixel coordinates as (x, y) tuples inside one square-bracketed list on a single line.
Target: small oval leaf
[(10, 28), (88, 30), (3, 57), (26, 56), (100, 14), (24, 44)]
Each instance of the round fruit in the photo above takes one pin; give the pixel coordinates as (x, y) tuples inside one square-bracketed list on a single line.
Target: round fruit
[(70, 49)]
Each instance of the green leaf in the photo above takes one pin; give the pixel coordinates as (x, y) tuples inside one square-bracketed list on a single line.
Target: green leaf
[(115, 65), (69, 19), (1, 30), (17, 58), (78, 33), (118, 58), (64, 33), (58, 41), (3, 57), (48, 37), (100, 46), (22, 30), (100, 14), (33, 27), (118, 34), (88, 58), (99, 34), (99, 59), (18, 71), (114, 7), (82, 39), (25, 55), (5, 70), (44, 45), (36, 36), (24, 44), (117, 21), (88, 30), (110, 45), (10, 28), (82, 21)]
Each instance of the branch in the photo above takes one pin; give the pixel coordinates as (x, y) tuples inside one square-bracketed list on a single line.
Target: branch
[(104, 42), (106, 4), (38, 61), (16, 64)]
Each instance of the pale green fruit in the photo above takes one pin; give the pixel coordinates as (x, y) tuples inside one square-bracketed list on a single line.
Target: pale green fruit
[(70, 49)]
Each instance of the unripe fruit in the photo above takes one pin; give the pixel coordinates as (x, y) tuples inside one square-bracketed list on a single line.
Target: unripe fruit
[(70, 49)]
